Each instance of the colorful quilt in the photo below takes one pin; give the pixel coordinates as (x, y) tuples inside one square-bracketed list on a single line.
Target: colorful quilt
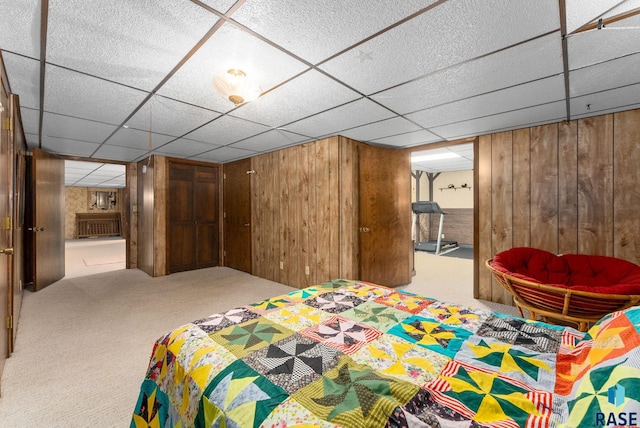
[(353, 354)]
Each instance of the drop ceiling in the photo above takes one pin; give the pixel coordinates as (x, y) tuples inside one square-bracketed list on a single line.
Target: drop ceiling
[(122, 79)]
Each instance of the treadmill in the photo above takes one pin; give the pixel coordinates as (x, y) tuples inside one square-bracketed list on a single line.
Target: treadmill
[(439, 246)]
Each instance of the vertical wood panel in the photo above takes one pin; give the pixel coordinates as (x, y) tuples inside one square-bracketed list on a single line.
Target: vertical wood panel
[(349, 263), (522, 188), (161, 179), (568, 187), (324, 210), (131, 201), (303, 217), (313, 214), (501, 201), (482, 289), (544, 187), (273, 216), (595, 185), (334, 211), (284, 165), (626, 185)]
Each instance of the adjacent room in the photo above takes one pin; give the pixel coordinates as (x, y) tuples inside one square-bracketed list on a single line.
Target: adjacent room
[(252, 213)]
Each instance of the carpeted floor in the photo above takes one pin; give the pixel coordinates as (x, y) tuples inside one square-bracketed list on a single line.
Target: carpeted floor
[(84, 343)]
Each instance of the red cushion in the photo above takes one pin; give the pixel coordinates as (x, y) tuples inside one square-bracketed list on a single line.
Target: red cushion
[(533, 264), (596, 274)]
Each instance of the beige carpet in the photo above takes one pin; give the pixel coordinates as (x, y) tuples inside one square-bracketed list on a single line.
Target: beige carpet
[(84, 343), (93, 255)]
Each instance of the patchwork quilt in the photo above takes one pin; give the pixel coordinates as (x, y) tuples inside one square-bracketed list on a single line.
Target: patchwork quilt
[(354, 354)]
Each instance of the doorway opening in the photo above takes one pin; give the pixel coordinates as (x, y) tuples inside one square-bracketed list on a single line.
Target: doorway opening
[(94, 206), (443, 177)]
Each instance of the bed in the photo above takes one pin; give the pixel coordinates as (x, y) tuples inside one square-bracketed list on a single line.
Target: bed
[(355, 354)]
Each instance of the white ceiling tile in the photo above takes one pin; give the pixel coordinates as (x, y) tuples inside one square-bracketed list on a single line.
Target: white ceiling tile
[(310, 93), (623, 98), (225, 154), (608, 75), (503, 69), (596, 46), (112, 168), (86, 97), (137, 139), (580, 12), (221, 6), (72, 128), (299, 25), (166, 116), (68, 147), (136, 43), (271, 140), (184, 148), (517, 97), (347, 116), (30, 121), (383, 128), (119, 153), (25, 78), (32, 140), (20, 27), (553, 112), (82, 167), (226, 130), (409, 139), (452, 32), (229, 48)]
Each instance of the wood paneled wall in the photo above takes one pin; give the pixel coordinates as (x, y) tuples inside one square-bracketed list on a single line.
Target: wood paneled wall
[(568, 187), (304, 213)]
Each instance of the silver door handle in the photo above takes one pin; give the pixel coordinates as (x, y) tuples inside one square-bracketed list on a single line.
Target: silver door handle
[(365, 229)]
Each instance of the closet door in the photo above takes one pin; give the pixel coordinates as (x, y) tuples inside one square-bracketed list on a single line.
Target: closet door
[(205, 205), (237, 218), (181, 251), (193, 217)]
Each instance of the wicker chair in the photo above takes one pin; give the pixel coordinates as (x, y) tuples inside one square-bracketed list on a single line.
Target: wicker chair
[(564, 299)]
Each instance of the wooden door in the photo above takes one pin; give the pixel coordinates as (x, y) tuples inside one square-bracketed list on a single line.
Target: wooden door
[(206, 216), (181, 251), (5, 239), (193, 212), (237, 215), (385, 215), (45, 227)]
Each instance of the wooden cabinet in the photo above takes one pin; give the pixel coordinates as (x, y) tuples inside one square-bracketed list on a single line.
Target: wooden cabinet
[(192, 216)]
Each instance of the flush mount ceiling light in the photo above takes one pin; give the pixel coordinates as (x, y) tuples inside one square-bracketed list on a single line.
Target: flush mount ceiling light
[(236, 86)]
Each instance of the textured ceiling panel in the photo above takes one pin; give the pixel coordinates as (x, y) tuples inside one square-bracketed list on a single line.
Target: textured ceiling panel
[(299, 25), (408, 140), (25, 79), (270, 140), (595, 46), (226, 130), (20, 27), (138, 139), (307, 94), (30, 121), (383, 128), (170, 117), (500, 70), (348, 116), (229, 48), (120, 153), (517, 97), (184, 148), (451, 33), (553, 112), (221, 6), (581, 12), (608, 75), (79, 95), (225, 154), (136, 43), (55, 125), (624, 98), (68, 147)]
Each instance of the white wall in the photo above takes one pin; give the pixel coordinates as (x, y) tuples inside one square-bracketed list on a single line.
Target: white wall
[(447, 198)]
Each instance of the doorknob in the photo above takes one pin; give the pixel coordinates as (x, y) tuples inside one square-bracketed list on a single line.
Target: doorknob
[(364, 229), (36, 229), (246, 225), (8, 251)]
